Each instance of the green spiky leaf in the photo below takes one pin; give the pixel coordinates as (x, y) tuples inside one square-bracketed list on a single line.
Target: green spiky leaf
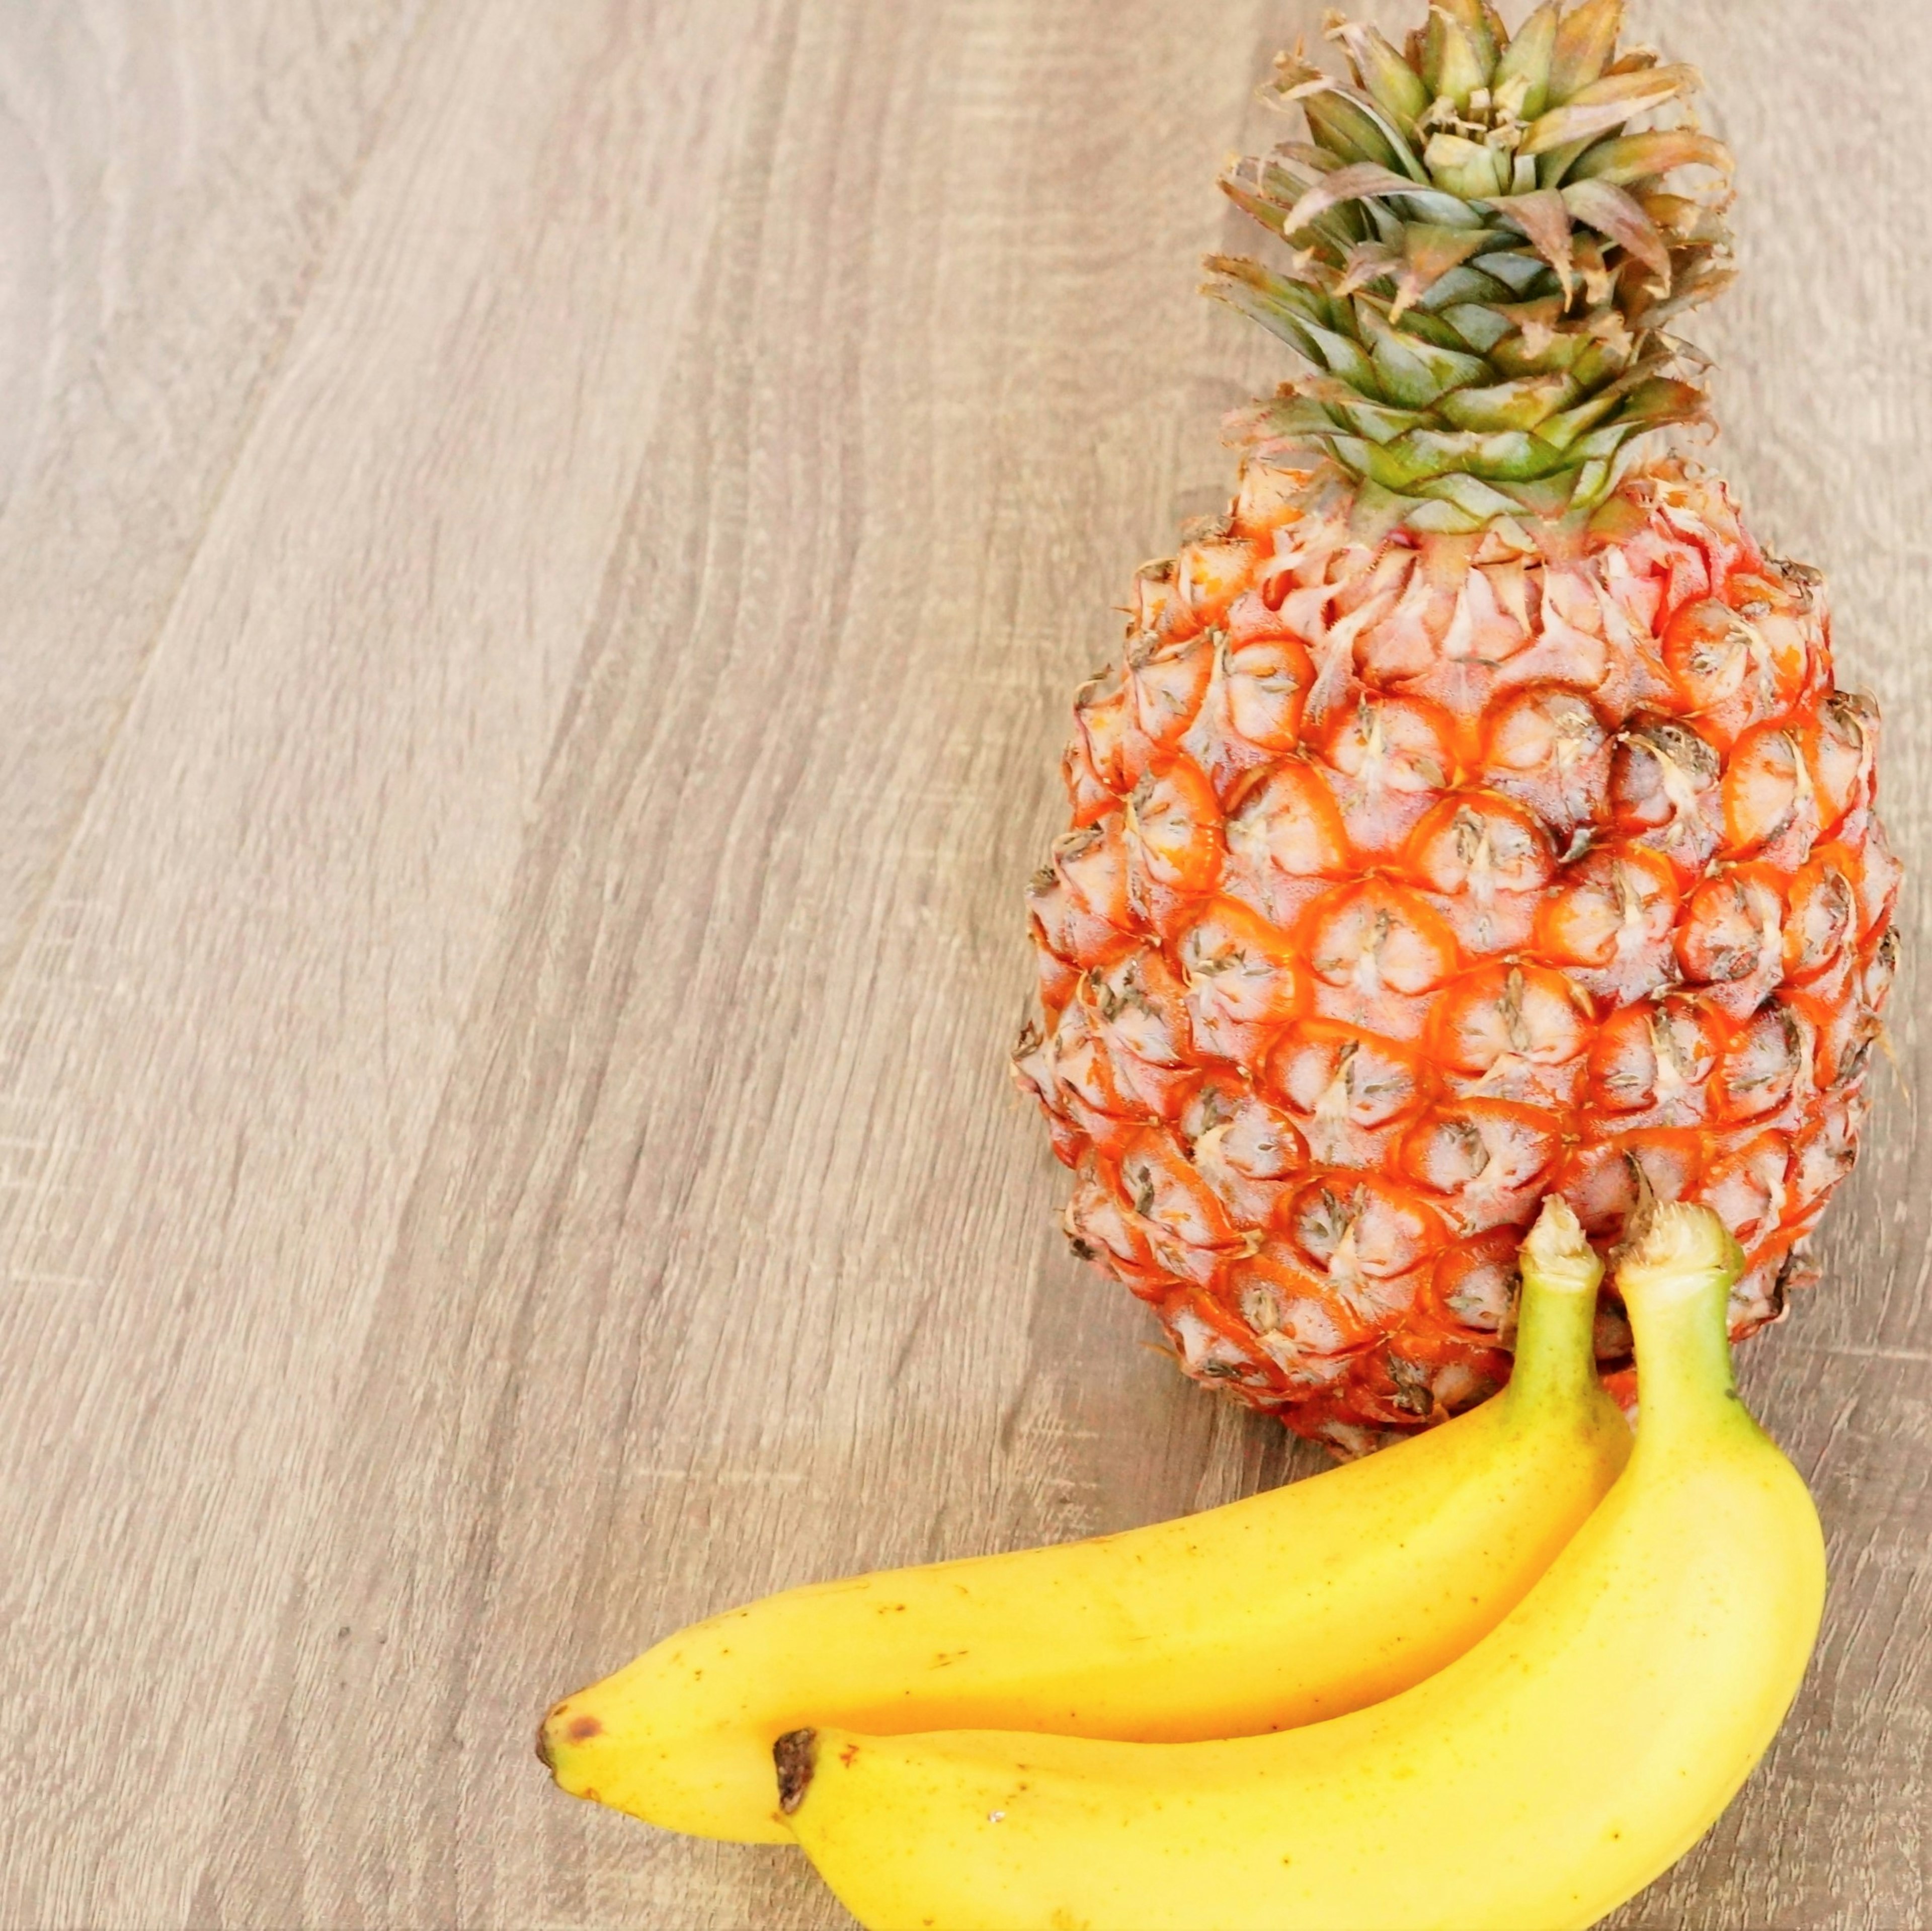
[(1480, 256), (1608, 104), (1584, 44), (1522, 74), (1381, 73)]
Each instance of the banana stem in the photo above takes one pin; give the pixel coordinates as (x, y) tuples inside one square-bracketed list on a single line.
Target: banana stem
[(1676, 1284), (1555, 1360)]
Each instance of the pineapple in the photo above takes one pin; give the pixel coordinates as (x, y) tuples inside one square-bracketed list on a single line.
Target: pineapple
[(1472, 813)]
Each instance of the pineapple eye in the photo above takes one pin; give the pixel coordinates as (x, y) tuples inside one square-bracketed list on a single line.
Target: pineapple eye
[(1765, 1063), (1139, 1005), (1822, 910), (1732, 936), (1242, 981), (1382, 942), (1549, 750), (1100, 718), (1263, 682), (1337, 1079), (1750, 1190), (1262, 1144), (1655, 1056), (1477, 1282), (1173, 830), (1490, 1157), (1736, 665), (1770, 797), (1209, 574), (1478, 846), (1613, 922), (1166, 682), (1299, 1321), (1826, 1155), (1372, 1231), (1879, 974), (1291, 820), (1184, 1221), (1098, 1229), (1262, 1307), (1660, 776), (1206, 1351)]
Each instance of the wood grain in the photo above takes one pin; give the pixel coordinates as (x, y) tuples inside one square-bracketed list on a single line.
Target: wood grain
[(545, 554)]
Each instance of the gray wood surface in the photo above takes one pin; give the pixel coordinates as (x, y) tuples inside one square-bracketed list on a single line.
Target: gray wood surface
[(543, 552)]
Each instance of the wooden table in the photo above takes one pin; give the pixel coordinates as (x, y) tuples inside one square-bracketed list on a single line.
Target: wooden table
[(545, 547)]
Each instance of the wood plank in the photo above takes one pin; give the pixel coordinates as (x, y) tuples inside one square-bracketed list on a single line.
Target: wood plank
[(230, 1030), (764, 1282), (504, 1143), (170, 180)]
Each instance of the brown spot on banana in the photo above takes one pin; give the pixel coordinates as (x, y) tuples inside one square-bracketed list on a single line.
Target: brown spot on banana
[(796, 1757)]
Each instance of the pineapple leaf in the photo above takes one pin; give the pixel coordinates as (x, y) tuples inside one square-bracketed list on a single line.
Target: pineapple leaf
[(1347, 132), (1342, 356), (1300, 416), (1441, 517), (1368, 262), (1608, 104), (1517, 272), (1366, 181), (1560, 431), (1692, 291), (1424, 325), (1480, 324), (1381, 72), (1413, 372), (1351, 127), (1477, 21), (1612, 212), (1635, 157), (1660, 400), (1584, 43), (1544, 219), (1429, 253), (1453, 65), (1481, 501), (1263, 297), (1426, 453), (1526, 403), (1380, 422), (1471, 169), (1633, 60), (1522, 74), (1468, 286), (1377, 512)]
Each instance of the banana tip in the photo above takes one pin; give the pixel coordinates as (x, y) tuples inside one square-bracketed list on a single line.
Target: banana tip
[(559, 1730), (796, 1757)]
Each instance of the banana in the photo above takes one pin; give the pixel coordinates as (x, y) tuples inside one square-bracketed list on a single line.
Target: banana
[(1555, 1768), (1313, 1599)]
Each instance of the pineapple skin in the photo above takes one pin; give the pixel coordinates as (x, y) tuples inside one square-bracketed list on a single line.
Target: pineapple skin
[(1411, 877)]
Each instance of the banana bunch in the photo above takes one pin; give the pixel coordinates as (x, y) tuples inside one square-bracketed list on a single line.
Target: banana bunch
[(1502, 1674)]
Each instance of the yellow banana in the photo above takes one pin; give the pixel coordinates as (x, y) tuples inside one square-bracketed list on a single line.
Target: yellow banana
[(1313, 1599), (1555, 1769)]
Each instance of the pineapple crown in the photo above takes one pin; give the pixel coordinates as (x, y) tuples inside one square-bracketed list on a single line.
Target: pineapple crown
[(1483, 258)]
